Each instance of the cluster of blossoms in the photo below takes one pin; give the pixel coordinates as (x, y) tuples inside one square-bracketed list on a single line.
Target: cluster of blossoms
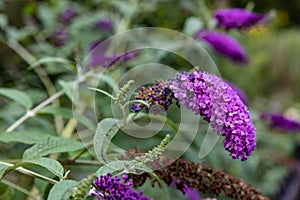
[(224, 44), (212, 98), (109, 187), (157, 94), (236, 18), (209, 96), (280, 122)]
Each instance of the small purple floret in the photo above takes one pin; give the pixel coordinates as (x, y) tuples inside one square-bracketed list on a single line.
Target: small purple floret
[(109, 187), (224, 44), (209, 96), (236, 18)]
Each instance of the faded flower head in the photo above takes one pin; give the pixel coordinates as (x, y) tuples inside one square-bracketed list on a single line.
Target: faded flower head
[(209, 96), (224, 44), (280, 122), (109, 187), (157, 94), (236, 18)]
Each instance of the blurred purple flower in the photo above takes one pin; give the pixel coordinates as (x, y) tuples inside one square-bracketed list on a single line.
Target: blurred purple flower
[(104, 24), (98, 57), (66, 16), (224, 44), (239, 91), (281, 122), (192, 194), (113, 188), (236, 18), (209, 96), (60, 37)]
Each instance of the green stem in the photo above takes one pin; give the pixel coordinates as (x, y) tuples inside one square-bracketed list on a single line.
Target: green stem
[(103, 92), (42, 74), (17, 187), (81, 162), (30, 173), (82, 152), (32, 112)]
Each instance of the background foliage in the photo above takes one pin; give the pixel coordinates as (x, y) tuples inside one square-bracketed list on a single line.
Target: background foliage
[(34, 66)]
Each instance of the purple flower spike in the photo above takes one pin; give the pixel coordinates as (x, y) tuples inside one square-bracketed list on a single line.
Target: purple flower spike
[(225, 45), (209, 96), (66, 16), (113, 188), (236, 18), (104, 24), (281, 123)]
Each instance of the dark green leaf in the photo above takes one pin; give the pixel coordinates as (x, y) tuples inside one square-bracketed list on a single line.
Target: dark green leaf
[(62, 190), (106, 130), (17, 96), (48, 145), (50, 164), (67, 113), (26, 137)]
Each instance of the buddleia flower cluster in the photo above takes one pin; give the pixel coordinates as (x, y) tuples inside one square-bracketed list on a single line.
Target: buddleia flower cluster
[(111, 187), (282, 123), (221, 42), (209, 96), (224, 44), (212, 98), (236, 18)]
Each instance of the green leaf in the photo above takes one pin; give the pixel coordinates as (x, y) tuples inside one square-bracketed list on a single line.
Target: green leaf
[(26, 137), (3, 168), (111, 167), (68, 89), (18, 96), (106, 130), (49, 145), (50, 164), (62, 190), (67, 113), (53, 60), (6, 192)]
